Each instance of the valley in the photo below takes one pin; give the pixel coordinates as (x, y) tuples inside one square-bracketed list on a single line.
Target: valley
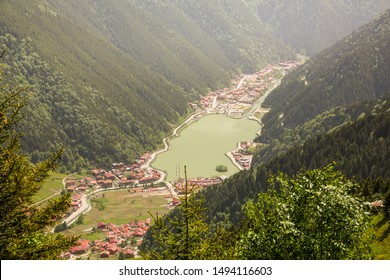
[(106, 109), (222, 119), (204, 140)]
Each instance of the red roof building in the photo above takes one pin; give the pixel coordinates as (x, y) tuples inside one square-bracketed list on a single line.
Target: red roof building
[(129, 254)]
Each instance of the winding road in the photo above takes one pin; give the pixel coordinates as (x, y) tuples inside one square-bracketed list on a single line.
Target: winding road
[(85, 207)]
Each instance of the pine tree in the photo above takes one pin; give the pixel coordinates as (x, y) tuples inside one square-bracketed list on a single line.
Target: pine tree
[(184, 234), (24, 229)]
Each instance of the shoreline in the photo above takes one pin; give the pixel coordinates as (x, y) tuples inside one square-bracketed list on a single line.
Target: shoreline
[(195, 116), (249, 114)]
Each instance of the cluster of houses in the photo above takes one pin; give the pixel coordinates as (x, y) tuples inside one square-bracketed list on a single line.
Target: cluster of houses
[(122, 175), (200, 182), (236, 100), (242, 156), (233, 101), (125, 238)]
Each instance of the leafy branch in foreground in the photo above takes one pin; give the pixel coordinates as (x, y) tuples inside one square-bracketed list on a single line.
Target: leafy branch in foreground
[(24, 228), (311, 216)]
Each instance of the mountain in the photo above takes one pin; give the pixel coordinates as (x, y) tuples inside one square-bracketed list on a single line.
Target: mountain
[(311, 26), (355, 69), (358, 148), (334, 109), (110, 79)]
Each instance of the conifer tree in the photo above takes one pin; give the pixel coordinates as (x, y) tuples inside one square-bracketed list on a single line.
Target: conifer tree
[(184, 234), (25, 229)]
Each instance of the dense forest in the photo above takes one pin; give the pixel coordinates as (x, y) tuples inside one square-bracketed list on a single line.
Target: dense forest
[(352, 71), (124, 73), (353, 137), (108, 81), (312, 26)]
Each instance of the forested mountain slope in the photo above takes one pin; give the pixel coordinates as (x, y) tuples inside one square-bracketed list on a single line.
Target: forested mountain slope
[(109, 79), (311, 25), (355, 69), (360, 149), (332, 110)]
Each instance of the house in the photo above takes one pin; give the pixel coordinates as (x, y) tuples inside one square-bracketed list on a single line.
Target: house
[(70, 183), (176, 201), (125, 183), (109, 176), (377, 203), (112, 227), (71, 188), (91, 183), (76, 250), (106, 184), (82, 188), (112, 248), (138, 232), (84, 243), (129, 254), (101, 225), (75, 204)]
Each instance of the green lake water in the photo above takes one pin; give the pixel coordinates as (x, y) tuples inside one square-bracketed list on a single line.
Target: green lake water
[(202, 145)]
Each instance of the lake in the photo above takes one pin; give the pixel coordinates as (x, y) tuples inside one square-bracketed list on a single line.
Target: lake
[(202, 145)]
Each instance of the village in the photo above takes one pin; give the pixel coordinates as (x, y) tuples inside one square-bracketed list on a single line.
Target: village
[(245, 90), (242, 99), (120, 241), (237, 101), (137, 177)]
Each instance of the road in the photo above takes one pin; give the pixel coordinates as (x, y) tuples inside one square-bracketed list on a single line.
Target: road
[(85, 207), (260, 101), (242, 80)]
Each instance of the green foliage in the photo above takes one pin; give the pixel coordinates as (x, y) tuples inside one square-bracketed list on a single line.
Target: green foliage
[(360, 148), (181, 236), (221, 168), (311, 216), (184, 234), (80, 220), (354, 70), (23, 228), (121, 256), (99, 203), (380, 229), (387, 204), (318, 125), (61, 227), (110, 80)]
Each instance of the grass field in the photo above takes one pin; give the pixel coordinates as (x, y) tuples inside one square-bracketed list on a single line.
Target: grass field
[(380, 229), (52, 186), (120, 207)]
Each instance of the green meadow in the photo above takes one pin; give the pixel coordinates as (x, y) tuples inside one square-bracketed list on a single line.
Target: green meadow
[(52, 185), (119, 207)]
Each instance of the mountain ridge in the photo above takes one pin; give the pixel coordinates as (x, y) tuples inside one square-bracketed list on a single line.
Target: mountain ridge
[(123, 67)]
